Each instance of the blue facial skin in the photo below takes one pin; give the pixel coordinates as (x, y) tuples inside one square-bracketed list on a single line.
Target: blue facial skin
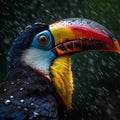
[(46, 46), (45, 49)]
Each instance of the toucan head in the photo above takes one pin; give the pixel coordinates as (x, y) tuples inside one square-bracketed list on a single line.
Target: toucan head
[(48, 49)]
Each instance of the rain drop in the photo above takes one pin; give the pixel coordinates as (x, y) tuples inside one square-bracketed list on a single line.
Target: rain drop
[(27, 27), (11, 96), (12, 83), (26, 82), (32, 104), (19, 107), (35, 113), (5, 90), (25, 109), (18, 79), (21, 100), (21, 89), (109, 111), (7, 102)]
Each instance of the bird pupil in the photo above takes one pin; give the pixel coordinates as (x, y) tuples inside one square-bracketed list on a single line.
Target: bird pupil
[(43, 39)]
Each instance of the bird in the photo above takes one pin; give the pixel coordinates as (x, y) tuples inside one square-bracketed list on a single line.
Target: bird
[(39, 82)]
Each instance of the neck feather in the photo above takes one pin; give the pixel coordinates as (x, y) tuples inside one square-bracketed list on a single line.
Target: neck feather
[(38, 59), (62, 78)]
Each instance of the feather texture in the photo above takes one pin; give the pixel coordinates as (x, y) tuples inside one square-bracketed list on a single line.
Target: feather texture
[(29, 95)]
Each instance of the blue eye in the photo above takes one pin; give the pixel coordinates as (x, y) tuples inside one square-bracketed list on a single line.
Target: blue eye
[(43, 40)]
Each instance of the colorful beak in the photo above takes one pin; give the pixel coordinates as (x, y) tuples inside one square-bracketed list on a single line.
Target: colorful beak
[(77, 34)]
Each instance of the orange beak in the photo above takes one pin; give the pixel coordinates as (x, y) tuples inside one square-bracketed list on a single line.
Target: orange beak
[(77, 34)]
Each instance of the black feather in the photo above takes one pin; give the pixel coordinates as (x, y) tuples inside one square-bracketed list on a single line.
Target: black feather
[(33, 96)]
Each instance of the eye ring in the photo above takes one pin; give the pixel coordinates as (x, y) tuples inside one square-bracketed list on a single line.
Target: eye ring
[(43, 39)]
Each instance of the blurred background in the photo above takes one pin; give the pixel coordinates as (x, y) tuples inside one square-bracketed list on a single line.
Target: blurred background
[(96, 74)]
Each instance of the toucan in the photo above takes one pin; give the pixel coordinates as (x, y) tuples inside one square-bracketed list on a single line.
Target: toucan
[(39, 82)]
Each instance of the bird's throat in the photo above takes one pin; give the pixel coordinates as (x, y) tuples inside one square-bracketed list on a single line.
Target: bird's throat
[(62, 78)]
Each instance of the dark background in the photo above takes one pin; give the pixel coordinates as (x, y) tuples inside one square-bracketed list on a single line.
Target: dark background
[(96, 74)]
